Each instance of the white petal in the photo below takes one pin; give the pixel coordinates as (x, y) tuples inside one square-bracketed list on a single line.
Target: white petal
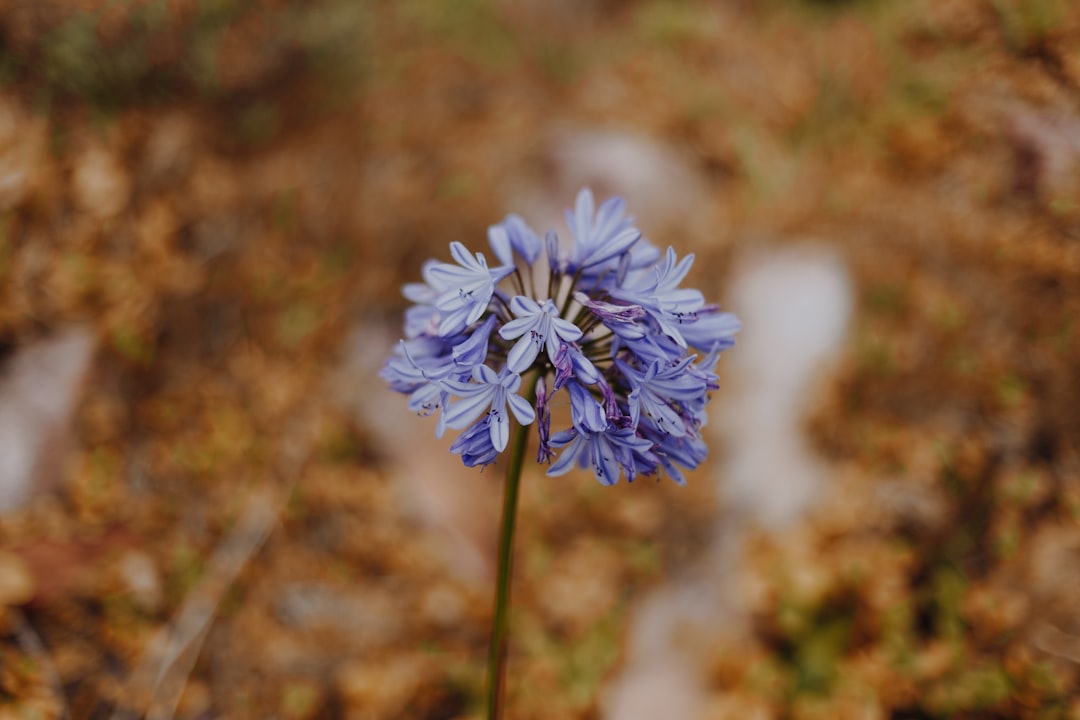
[(500, 244), (584, 209), (447, 275), (419, 293), (567, 330), (512, 382), (682, 300), (478, 311), (517, 328), (522, 306), (670, 330), (500, 430), (454, 322), (565, 463), (521, 408), (604, 465), (680, 271), (484, 374), (617, 246), (522, 355), (610, 213), (463, 257), (462, 413)]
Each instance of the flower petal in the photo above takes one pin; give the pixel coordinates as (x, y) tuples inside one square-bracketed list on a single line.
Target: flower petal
[(521, 408)]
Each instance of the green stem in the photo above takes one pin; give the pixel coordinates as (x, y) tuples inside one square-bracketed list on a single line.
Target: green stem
[(497, 651)]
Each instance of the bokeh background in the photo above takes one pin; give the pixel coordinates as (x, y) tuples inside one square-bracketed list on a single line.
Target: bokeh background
[(211, 508)]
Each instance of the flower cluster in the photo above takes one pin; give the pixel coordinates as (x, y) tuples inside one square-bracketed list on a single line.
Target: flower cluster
[(603, 319)]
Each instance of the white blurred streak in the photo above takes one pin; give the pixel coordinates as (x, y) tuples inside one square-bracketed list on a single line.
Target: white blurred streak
[(794, 305), (661, 186), (39, 391)]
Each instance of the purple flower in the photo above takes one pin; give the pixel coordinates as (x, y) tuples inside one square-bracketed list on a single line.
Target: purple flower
[(614, 329)]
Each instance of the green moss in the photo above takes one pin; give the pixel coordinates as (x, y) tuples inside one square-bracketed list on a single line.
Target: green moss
[(673, 24), (327, 39), (1021, 488), (296, 323), (888, 299), (187, 568), (897, 635), (874, 355), (977, 688), (560, 61), (1066, 331), (1027, 22), (5, 244), (948, 588), (947, 315), (586, 662), (962, 362), (833, 117), (459, 185), (1010, 390), (257, 123), (300, 699), (643, 557), (472, 28), (768, 677), (1007, 539), (819, 651), (133, 346), (340, 445)]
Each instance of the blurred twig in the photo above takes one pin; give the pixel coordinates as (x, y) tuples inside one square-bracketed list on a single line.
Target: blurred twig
[(160, 678), (1056, 642), (31, 642)]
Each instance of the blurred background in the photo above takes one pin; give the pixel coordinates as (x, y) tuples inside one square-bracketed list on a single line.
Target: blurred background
[(210, 507)]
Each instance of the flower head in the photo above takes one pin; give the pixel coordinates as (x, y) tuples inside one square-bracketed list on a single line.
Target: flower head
[(608, 322)]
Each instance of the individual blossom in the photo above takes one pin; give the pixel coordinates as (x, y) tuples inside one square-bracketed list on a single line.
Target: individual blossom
[(538, 326), (463, 291), (603, 320), (662, 394), (599, 236), (607, 452), (512, 236), (662, 298), (491, 393)]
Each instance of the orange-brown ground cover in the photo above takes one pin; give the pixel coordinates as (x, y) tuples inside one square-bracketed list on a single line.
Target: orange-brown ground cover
[(218, 194)]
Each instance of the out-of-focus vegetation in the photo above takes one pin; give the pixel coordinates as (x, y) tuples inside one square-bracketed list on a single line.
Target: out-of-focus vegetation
[(239, 55), (220, 190)]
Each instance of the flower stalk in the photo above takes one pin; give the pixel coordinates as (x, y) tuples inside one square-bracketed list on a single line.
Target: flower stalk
[(501, 619)]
